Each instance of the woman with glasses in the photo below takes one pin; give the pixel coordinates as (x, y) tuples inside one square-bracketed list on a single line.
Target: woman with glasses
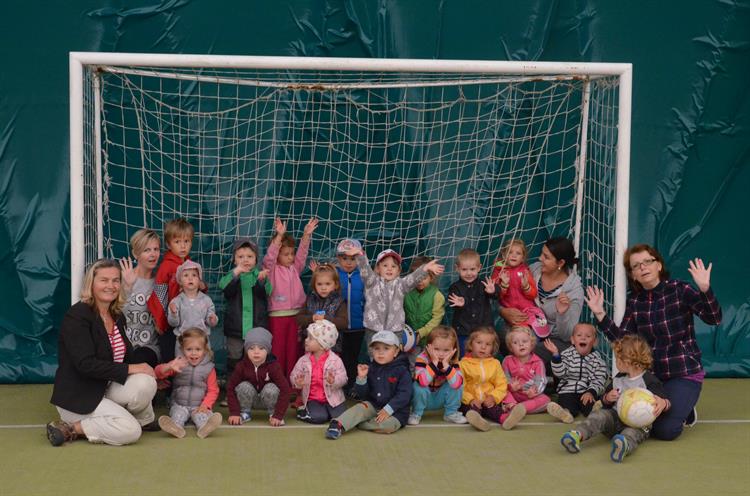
[(662, 310)]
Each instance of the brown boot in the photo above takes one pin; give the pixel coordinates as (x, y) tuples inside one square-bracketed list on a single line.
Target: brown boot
[(59, 432)]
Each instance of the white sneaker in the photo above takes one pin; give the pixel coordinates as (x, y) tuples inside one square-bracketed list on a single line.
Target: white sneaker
[(213, 422), (456, 418), (414, 419)]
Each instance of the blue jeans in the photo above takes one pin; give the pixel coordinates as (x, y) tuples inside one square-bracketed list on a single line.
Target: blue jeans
[(683, 394), (445, 397)]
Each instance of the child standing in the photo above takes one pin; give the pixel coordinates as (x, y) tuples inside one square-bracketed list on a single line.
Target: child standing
[(424, 305), (437, 378), (324, 301), (633, 359), (353, 292), (385, 388), (191, 308), (246, 290), (471, 301), (194, 388), (284, 267), (178, 236), (517, 287), (258, 382), (321, 375), (582, 373), (485, 386)]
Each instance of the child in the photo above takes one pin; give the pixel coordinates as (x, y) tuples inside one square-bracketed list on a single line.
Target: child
[(471, 301), (321, 375), (287, 296), (385, 388), (424, 305), (178, 236), (633, 359), (437, 378), (582, 373), (191, 308), (246, 290), (324, 301), (353, 292), (194, 388), (527, 377), (258, 381), (485, 386), (517, 287)]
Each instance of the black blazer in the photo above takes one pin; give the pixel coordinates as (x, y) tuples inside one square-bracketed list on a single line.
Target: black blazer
[(85, 365)]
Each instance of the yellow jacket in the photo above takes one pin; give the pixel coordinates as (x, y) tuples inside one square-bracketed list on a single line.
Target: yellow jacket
[(482, 377)]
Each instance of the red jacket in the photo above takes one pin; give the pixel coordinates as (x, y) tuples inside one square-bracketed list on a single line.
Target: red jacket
[(268, 371), (166, 287)]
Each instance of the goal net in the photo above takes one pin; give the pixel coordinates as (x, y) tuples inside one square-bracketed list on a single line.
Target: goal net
[(426, 157)]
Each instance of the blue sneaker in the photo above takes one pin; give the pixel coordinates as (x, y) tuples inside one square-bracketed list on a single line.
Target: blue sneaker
[(335, 429), (571, 441), (619, 448), (245, 417)]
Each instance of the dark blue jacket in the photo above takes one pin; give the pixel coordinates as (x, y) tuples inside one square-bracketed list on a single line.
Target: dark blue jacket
[(389, 384), (353, 291)]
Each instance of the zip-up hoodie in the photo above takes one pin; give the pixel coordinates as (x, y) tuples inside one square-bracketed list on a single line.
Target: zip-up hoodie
[(482, 377), (580, 374), (388, 387), (268, 371)]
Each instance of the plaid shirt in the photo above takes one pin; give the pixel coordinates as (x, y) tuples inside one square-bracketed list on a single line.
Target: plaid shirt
[(663, 316)]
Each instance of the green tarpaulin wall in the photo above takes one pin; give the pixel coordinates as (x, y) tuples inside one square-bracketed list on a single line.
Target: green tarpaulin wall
[(690, 133)]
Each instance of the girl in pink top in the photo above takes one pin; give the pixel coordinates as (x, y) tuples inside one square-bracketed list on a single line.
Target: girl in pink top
[(284, 267)]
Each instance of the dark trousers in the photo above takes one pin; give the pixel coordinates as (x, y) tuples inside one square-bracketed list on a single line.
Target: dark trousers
[(167, 342), (351, 341), (145, 355), (492, 414), (317, 412), (683, 394), (572, 403)]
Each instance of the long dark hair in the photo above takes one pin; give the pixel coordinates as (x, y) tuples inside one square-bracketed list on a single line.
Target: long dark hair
[(562, 249)]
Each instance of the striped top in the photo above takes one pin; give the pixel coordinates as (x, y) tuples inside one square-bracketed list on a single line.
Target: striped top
[(426, 374), (578, 373), (117, 344)]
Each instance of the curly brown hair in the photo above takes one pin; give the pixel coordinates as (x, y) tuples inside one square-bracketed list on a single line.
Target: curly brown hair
[(634, 350)]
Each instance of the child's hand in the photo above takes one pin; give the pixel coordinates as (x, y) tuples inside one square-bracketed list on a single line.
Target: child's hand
[(317, 317), (587, 398), (382, 416), (432, 355), (447, 359), (204, 409), (330, 377), (239, 270), (456, 301), (563, 302), (515, 384), (532, 392), (611, 397), (551, 347), (262, 275), (489, 285), (312, 224), (661, 405), (299, 381), (279, 227), (525, 280), (362, 370), (275, 422), (128, 273), (506, 407), (213, 320), (178, 364), (434, 268), (504, 278), (489, 402), (234, 420), (172, 308), (476, 404), (313, 265)]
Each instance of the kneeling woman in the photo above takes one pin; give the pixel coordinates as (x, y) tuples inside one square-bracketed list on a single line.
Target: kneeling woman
[(99, 394)]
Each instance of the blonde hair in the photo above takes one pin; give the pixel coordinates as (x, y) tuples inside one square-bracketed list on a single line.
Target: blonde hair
[(445, 332), (508, 244), (178, 227), (195, 333), (140, 239), (486, 330), (523, 329), (87, 288), (328, 270), (634, 350), (468, 255)]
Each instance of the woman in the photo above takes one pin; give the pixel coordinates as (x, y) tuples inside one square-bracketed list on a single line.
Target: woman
[(99, 392), (560, 294), (662, 310)]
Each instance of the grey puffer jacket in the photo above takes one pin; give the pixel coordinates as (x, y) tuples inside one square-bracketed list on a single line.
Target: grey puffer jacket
[(190, 385)]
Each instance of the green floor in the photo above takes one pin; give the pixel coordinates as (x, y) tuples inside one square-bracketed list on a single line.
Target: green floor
[(711, 458)]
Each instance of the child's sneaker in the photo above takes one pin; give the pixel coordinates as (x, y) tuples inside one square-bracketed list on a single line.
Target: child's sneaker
[(414, 419), (478, 422), (335, 429), (213, 422), (514, 417), (170, 426), (619, 448), (455, 418), (571, 441), (224, 402), (245, 417), (559, 413), (303, 415), (692, 418), (59, 432)]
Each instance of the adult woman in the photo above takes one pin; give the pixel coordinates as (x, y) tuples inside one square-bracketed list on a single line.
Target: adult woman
[(99, 393), (661, 310), (560, 294), (138, 284)]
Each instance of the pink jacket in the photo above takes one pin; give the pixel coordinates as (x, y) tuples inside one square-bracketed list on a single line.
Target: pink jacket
[(334, 393), (287, 292), (523, 372)]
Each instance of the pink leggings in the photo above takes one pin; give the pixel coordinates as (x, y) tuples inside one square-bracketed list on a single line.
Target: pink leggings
[(533, 405)]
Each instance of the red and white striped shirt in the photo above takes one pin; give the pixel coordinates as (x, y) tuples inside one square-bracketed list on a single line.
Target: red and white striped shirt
[(117, 344)]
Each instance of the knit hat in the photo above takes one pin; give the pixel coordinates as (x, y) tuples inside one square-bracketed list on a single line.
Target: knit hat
[(324, 332), (189, 264), (347, 245), (388, 253), (386, 337), (245, 243), (258, 336)]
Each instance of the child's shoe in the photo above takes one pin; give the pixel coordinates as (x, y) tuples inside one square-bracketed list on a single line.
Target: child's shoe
[(245, 417), (571, 441), (478, 422), (224, 402), (619, 448), (692, 418), (213, 422), (169, 426), (559, 413), (514, 417), (414, 419), (335, 429), (59, 432), (303, 415), (455, 418)]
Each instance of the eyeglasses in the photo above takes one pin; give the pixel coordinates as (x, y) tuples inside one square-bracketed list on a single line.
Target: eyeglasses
[(641, 265)]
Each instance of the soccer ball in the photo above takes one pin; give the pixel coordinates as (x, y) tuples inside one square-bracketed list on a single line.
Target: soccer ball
[(408, 338), (635, 407)]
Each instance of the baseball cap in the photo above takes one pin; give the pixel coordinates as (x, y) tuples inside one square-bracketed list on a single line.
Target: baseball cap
[(346, 245), (386, 337), (388, 253)]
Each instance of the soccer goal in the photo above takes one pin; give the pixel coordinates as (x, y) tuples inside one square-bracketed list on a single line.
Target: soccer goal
[(422, 156)]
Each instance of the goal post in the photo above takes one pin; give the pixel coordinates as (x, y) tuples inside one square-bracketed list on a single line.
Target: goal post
[(423, 156)]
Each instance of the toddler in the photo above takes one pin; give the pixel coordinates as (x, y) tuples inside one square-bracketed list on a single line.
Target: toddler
[(258, 382), (194, 387), (324, 301), (353, 292), (437, 378), (517, 287), (191, 308), (581, 371), (320, 374), (384, 387), (246, 290), (284, 266), (424, 305), (633, 359)]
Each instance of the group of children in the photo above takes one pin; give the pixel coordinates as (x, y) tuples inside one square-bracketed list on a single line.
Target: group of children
[(360, 313)]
